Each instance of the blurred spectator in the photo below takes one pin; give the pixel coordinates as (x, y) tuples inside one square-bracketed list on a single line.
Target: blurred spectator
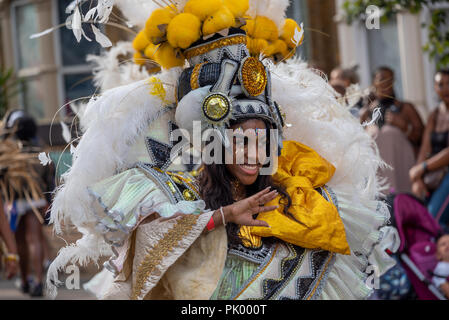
[(344, 76), (430, 176), (396, 127), (11, 256), (341, 79), (26, 213)]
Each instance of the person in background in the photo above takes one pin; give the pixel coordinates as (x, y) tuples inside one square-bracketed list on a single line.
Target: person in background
[(441, 272), (26, 201), (341, 79), (344, 76), (396, 127), (11, 255), (430, 176)]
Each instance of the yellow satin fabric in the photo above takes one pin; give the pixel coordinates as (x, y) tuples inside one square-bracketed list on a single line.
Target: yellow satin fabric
[(301, 170)]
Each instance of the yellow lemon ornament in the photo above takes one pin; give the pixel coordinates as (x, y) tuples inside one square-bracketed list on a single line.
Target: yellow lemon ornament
[(158, 19), (288, 32), (140, 41), (237, 7), (166, 56), (183, 30), (202, 8), (220, 20), (265, 28)]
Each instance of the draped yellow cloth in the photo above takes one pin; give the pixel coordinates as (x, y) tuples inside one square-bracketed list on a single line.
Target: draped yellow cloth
[(300, 171)]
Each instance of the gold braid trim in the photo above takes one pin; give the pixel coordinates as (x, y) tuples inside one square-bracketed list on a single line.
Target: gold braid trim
[(194, 83), (202, 49), (323, 272), (155, 256)]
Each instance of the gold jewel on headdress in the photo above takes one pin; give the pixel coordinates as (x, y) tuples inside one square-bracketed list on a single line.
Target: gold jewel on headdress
[(253, 76), (217, 108), (202, 49)]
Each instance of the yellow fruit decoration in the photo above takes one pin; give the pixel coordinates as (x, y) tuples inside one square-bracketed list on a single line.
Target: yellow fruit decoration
[(202, 8), (288, 32), (256, 46), (221, 19), (277, 47), (183, 30), (237, 7), (139, 58), (265, 28), (150, 51), (166, 56), (141, 41), (249, 27), (159, 17)]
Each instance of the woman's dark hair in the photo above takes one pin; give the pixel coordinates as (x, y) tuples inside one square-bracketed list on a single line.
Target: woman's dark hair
[(384, 69), (215, 183), (22, 125)]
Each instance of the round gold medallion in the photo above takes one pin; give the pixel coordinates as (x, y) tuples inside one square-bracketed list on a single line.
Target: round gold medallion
[(188, 195), (216, 107), (253, 76)]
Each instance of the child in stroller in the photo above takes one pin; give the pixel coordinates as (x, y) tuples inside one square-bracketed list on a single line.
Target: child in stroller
[(441, 273), (417, 254)]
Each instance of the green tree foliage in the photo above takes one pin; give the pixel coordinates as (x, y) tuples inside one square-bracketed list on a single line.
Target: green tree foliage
[(9, 87), (438, 44)]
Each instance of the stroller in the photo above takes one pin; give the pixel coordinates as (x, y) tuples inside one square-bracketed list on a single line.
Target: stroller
[(418, 231)]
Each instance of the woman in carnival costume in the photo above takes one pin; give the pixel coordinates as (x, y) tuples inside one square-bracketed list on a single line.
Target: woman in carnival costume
[(299, 221)]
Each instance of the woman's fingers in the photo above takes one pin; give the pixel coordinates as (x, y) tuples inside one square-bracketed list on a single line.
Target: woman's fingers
[(268, 197), (259, 223), (261, 193), (267, 209)]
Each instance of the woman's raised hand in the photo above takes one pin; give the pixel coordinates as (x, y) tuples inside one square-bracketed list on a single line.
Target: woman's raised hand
[(242, 212)]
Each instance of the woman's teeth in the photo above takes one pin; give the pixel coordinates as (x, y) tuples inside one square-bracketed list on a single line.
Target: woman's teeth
[(250, 168)]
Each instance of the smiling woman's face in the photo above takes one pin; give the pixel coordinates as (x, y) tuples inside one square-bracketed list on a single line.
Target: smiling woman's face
[(247, 172)]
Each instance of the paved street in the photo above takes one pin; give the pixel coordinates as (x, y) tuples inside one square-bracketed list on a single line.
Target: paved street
[(9, 291)]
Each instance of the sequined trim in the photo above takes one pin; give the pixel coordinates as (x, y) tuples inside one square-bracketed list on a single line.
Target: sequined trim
[(196, 51), (174, 185), (253, 76), (324, 273), (256, 275), (156, 255), (194, 79), (272, 286)]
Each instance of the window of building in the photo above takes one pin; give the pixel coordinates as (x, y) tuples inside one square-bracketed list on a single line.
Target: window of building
[(74, 74), (54, 64), (28, 56)]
